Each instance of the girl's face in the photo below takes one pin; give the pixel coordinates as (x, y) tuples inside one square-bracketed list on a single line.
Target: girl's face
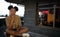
[(12, 11)]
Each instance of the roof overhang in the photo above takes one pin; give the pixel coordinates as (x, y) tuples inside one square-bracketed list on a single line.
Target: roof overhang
[(16, 1)]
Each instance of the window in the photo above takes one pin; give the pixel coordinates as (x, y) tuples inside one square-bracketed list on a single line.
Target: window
[(49, 15), (4, 9)]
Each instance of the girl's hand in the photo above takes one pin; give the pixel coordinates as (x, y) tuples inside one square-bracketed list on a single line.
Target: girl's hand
[(10, 26), (18, 29)]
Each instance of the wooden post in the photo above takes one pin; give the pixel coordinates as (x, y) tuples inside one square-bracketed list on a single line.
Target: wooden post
[(54, 16)]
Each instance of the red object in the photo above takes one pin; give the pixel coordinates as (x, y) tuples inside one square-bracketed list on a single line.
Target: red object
[(45, 12)]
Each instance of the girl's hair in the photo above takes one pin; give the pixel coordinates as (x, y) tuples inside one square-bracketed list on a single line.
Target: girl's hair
[(10, 7)]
